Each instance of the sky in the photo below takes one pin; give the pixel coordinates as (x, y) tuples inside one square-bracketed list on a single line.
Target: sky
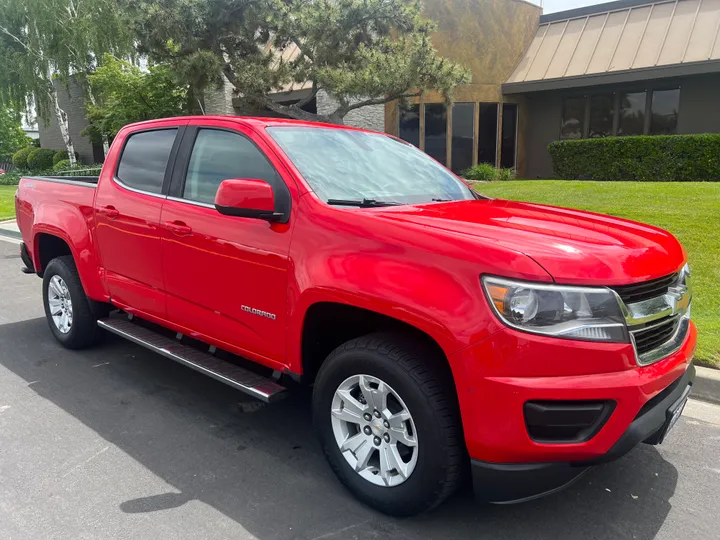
[(551, 6)]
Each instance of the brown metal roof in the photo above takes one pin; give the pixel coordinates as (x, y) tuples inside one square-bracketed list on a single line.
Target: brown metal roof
[(622, 40)]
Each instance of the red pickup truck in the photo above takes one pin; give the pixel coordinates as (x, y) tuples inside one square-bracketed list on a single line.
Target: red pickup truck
[(448, 335)]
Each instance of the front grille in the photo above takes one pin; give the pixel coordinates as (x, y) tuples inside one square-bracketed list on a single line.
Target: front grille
[(645, 290), (654, 334)]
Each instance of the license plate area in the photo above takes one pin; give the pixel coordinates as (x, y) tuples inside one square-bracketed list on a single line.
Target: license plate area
[(674, 413)]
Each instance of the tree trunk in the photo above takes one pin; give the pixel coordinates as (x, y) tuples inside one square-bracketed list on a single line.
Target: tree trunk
[(62, 121), (104, 137)]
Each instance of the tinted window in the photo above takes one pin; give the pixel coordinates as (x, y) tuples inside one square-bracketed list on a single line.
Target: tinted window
[(573, 118), (601, 115), (664, 108), (436, 131), (632, 114), (462, 135), (509, 136), (220, 155), (409, 128), (487, 133), (144, 159)]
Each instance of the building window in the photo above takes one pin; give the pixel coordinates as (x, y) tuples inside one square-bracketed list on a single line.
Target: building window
[(632, 114), (573, 118), (409, 124), (436, 131), (487, 133), (509, 136), (664, 112), (602, 111), (463, 116)]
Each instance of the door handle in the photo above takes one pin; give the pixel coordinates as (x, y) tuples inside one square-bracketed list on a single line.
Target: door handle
[(110, 211), (178, 228)]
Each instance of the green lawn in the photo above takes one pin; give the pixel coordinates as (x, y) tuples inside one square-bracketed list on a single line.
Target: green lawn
[(7, 202), (690, 210)]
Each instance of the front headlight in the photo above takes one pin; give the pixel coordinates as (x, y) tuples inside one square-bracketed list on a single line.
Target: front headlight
[(585, 313)]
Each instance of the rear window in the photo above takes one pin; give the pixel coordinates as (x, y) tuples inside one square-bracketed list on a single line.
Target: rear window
[(145, 158)]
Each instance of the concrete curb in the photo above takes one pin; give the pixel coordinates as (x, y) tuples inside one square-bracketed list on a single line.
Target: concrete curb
[(707, 385)]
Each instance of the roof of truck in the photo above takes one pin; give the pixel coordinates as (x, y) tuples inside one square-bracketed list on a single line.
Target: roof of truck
[(255, 121)]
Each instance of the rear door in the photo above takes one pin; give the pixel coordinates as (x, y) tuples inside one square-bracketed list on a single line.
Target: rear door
[(226, 277), (127, 216)]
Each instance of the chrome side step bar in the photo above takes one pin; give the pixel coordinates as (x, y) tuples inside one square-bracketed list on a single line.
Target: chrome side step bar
[(260, 387)]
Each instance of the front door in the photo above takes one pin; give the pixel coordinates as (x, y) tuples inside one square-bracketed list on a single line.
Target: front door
[(127, 213), (226, 277)]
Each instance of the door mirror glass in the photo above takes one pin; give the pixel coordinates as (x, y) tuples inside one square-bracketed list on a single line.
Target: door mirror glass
[(247, 197)]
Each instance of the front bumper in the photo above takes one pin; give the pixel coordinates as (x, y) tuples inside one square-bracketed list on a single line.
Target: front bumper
[(498, 376), (518, 482)]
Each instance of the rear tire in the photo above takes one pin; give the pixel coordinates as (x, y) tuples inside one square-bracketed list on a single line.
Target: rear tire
[(72, 317), (421, 387)]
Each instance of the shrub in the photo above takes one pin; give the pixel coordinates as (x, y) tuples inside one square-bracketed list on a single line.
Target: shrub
[(488, 173), (40, 159), (61, 155), (481, 171), (10, 179), (20, 157), (506, 174), (665, 158), (62, 165)]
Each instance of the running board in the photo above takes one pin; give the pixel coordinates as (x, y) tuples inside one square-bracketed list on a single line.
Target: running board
[(242, 379)]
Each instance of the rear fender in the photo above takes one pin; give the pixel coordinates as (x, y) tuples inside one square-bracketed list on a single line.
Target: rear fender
[(70, 225)]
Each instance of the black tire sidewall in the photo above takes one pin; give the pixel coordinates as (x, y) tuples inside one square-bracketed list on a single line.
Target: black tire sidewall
[(421, 489), (79, 329)]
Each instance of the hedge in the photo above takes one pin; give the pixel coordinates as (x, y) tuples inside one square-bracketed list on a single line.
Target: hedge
[(62, 155), (664, 158), (488, 173), (19, 158), (40, 159)]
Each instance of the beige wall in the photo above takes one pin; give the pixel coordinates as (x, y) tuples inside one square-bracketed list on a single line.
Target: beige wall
[(489, 37)]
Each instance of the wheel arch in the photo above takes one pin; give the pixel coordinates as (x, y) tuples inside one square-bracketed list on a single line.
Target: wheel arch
[(327, 325)]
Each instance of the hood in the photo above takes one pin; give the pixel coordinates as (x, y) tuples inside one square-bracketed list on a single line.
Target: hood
[(574, 247)]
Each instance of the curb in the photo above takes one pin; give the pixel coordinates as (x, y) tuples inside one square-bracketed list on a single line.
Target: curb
[(707, 385)]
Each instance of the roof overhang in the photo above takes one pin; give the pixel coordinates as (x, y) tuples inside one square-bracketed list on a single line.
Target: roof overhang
[(615, 77)]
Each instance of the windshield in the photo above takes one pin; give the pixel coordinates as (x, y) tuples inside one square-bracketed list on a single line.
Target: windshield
[(341, 164)]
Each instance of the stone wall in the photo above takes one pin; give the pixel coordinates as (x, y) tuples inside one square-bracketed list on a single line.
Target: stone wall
[(370, 117), (219, 100), (72, 101)]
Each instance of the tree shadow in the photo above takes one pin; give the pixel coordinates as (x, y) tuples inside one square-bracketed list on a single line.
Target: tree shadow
[(264, 469)]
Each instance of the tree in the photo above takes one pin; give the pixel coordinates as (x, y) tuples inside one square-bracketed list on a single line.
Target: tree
[(362, 52), (44, 42), (125, 94), (12, 137)]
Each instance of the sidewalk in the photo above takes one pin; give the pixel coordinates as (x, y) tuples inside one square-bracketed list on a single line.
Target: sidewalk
[(10, 229)]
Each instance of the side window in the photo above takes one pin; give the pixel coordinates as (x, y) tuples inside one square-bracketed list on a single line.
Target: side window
[(219, 155), (145, 158)]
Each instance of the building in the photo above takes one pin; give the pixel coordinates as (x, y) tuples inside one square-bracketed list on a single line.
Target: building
[(631, 67), (622, 68)]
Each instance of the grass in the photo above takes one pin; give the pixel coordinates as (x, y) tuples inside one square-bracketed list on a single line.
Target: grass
[(690, 210), (7, 202)]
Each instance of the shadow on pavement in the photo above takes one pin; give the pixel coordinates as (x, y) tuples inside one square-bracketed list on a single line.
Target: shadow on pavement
[(264, 469)]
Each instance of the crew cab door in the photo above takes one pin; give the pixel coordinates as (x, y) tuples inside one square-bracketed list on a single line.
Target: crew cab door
[(127, 217), (222, 271)]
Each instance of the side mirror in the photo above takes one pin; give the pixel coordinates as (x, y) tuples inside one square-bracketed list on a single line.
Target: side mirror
[(246, 197)]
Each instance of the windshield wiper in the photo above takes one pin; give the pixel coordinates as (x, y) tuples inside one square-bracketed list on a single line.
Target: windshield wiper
[(364, 203)]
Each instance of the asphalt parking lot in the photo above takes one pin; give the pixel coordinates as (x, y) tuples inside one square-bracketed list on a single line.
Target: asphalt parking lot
[(117, 442)]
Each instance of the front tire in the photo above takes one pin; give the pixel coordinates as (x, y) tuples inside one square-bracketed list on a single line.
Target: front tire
[(387, 417), (69, 312)]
